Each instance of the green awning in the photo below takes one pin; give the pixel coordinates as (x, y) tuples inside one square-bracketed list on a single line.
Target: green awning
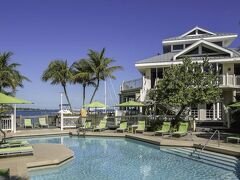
[(130, 104), (95, 104), (235, 105), (4, 99)]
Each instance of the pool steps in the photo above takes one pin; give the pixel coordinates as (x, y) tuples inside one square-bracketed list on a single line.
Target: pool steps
[(215, 159)]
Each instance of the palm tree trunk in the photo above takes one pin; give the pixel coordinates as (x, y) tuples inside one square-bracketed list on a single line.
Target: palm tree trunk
[(84, 88), (65, 92), (98, 81)]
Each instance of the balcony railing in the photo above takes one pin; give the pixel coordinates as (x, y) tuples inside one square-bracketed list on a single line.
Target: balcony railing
[(132, 84), (227, 80)]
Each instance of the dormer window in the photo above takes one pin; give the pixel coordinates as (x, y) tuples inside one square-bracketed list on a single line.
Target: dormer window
[(177, 47)]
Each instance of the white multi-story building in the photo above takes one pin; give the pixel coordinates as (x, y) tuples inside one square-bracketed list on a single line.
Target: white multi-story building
[(196, 43)]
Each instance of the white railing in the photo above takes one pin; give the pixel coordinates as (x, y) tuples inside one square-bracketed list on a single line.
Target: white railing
[(132, 84), (6, 123), (194, 113), (229, 80), (70, 121)]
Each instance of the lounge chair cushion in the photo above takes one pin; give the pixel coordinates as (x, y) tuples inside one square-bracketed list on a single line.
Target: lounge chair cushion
[(42, 122), (141, 126), (123, 126), (102, 125), (165, 128), (182, 130), (16, 150), (14, 144), (28, 123)]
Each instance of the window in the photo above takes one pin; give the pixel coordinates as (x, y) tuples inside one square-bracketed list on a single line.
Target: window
[(237, 69), (166, 49), (207, 50), (178, 47), (160, 73), (192, 33), (153, 77), (201, 32), (214, 65), (194, 51)]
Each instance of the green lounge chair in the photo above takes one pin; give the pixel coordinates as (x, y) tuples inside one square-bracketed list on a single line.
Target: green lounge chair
[(15, 151), (14, 144), (28, 123), (123, 126), (182, 130), (141, 127), (42, 122), (165, 129), (88, 125), (102, 126)]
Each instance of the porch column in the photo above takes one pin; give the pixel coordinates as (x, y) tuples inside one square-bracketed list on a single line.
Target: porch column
[(61, 113), (218, 110), (214, 109), (14, 123)]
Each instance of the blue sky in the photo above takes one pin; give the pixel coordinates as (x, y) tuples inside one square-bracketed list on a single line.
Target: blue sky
[(43, 30)]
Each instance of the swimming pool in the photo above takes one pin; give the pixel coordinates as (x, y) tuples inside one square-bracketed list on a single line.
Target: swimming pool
[(120, 158)]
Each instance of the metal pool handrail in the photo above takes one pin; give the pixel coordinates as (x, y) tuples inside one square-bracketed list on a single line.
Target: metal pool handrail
[(195, 150)]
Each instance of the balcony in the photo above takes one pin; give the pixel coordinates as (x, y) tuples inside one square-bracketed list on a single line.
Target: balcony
[(132, 84), (229, 81)]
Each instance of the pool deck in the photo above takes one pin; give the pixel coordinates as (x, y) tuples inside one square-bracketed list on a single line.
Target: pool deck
[(46, 155)]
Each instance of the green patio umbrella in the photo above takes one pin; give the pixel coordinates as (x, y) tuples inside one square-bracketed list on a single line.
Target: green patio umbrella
[(235, 105), (95, 104), (4, 99), (130, 104)]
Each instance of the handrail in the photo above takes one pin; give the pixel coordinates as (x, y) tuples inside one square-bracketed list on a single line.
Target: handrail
[(4, 134), (195, 150)]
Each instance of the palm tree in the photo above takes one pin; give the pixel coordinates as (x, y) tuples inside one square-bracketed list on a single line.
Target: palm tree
[(101, 68), (58, 73), (82, 74), (10, 77)]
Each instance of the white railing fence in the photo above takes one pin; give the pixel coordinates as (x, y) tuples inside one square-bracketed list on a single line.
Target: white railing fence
[(6, 123), (229, 80), (68, 122)]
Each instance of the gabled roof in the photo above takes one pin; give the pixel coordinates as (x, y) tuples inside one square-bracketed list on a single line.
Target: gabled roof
[(196, 44), (197, 29), (204, 34), (168, 57)]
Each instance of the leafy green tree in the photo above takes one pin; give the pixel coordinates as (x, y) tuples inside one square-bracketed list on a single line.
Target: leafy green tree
[(10, 77), (186, 85), (82, 74), (101, 67), (58, 72)]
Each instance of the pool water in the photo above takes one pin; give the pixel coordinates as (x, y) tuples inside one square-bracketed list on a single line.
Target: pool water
[(119, 158)]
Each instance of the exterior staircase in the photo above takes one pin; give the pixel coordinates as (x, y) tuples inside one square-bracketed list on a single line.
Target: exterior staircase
[(226, 162)]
